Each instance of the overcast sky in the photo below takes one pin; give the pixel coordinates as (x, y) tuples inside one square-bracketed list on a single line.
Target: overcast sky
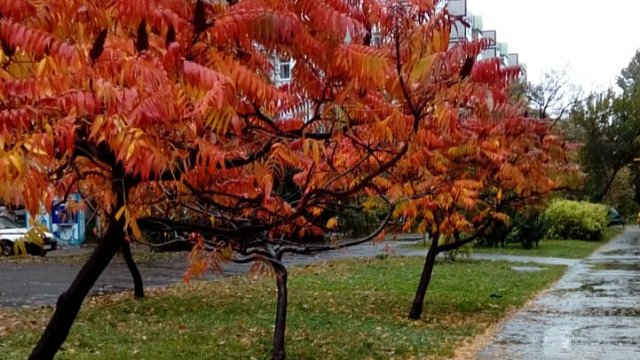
[(596, 39)]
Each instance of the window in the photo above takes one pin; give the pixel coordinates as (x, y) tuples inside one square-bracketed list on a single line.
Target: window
[(8, 224), (285, 69), (376, 39)]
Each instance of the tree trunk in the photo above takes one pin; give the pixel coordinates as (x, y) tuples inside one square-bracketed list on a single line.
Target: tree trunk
[(70, 301), (607, 186), (281, 313), (418, 301), (138, 286)]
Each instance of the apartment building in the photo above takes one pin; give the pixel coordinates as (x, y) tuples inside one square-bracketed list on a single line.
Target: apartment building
[(283, 68), (472, 29), (469, 28)]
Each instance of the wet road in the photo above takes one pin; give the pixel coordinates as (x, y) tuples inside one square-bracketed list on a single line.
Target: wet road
[(593, 312)]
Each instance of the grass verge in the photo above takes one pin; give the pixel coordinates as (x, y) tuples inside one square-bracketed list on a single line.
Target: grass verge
[(346, 309), (141, 258), (568, 249)]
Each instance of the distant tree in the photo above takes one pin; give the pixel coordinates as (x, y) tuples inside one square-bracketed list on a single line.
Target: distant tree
[(608, 125), (552, 97), (629, 82)]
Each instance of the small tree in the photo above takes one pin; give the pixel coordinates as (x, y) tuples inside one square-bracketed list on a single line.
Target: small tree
[(164, 114)]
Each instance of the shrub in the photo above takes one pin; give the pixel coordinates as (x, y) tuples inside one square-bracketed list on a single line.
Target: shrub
[(576, 220), (355, 223), (529, 229), (496, 234)]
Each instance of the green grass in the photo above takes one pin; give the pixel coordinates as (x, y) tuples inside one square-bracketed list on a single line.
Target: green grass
[(568, 249), (346, 309), (141, 257)]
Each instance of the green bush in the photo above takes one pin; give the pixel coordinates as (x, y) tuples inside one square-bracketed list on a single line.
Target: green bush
[(528, 229), (356, 223), (579, 220)]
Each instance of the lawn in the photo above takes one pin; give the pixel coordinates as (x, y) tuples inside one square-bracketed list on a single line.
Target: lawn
[(568, 249), (346, 309), (141, 257)]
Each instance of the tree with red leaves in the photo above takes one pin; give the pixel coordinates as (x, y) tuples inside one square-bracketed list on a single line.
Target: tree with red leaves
[(163, 112)]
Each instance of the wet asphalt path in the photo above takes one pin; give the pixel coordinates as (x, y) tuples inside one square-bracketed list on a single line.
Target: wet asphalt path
[(592, 313)]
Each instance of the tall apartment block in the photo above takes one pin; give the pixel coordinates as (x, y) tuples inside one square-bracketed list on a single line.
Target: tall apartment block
[(469, 29), (472, 29)]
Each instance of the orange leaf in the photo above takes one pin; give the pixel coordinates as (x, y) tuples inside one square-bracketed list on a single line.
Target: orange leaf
[(332, 223)]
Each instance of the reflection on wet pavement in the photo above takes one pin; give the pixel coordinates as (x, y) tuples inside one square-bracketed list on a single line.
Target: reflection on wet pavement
[(593, 312)]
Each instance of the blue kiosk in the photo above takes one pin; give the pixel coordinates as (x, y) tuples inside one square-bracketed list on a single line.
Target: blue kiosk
[(68, 228)]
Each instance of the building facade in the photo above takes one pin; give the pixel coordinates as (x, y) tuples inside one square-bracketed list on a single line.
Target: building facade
[(469, 28)]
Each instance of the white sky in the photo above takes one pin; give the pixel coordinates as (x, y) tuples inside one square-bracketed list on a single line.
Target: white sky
[(596, 39)]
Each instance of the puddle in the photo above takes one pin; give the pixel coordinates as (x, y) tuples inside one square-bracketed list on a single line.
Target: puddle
[(593, 287), (617, 266), (627, 252), (619, 312), (526, 268)]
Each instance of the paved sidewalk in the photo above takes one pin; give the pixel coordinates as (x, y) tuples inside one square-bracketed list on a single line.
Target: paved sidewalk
[(592, 313)]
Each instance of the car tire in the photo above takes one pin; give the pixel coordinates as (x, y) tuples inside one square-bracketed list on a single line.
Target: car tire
[(7, 248)]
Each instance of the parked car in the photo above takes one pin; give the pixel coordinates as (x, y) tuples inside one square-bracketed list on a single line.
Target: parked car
[(10, 231), (615, 218)]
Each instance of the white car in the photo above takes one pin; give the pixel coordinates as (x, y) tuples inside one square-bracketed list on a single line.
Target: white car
[(10, 231)]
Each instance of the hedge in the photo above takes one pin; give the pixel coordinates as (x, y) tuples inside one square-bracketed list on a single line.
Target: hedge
[(579, 220)]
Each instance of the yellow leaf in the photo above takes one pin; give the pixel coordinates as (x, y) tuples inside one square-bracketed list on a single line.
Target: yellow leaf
[(130, 150), (19, 248), (136, 230), (408, 190), (316, 152), (422, 69), (120, 212), (96, 126), (41, 66), (16, 162), (333, 222), (5, 75), (53, 64), (422, 227), (368, 204), (305, 152)]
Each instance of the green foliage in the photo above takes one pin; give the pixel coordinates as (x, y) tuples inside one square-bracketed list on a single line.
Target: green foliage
[(608, 129), (567, 249), (356, 223), (528, 229), (496, 234), (576, 220), (622, 196), (608, 126), (347, 309)]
